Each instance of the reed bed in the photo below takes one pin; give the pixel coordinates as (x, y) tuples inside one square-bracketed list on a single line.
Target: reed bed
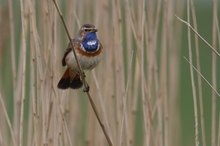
[(135, 88)]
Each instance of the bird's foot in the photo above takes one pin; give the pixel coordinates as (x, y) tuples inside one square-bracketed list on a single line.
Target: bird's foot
[(86, 88)]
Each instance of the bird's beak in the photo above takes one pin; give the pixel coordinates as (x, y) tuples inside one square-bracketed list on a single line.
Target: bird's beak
[(95, 30)]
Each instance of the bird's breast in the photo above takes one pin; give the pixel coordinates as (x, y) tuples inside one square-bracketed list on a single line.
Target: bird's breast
[(87, 60)]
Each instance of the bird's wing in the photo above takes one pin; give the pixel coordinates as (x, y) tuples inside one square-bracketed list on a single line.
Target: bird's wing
[(65, 54), (69, 49)]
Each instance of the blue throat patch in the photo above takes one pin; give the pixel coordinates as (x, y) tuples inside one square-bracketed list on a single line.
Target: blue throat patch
[(90, 42)]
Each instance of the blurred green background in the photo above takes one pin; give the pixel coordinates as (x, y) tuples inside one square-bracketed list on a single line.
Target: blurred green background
[(204, 12)]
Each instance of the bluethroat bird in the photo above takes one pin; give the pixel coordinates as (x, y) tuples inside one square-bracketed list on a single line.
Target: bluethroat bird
[(89, 52)]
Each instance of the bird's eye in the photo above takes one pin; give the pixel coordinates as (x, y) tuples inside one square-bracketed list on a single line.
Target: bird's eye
[(87, 30)]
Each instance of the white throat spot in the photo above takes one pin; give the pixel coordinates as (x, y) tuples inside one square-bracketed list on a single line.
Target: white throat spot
[(90, 43)]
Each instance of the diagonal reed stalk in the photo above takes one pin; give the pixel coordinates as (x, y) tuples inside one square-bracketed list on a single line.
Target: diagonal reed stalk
[(204, 40), (215, 53), (137, 97), (200, 74), (7, 119), (86, 86)]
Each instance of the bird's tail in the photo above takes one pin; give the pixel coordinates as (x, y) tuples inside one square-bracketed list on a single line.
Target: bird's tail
[(70, 79)]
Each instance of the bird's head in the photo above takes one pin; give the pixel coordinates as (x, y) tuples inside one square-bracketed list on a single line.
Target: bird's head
[(87, 29), (89, 39)]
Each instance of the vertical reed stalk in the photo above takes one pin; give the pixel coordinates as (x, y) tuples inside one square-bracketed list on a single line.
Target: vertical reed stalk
[(218, 131), (192, 78), (23, 74), (147, 129), (214, 71), (12, 42), (202, 120), (136, 83), (163, 75)]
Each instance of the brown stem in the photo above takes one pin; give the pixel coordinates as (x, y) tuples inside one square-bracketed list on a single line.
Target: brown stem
[(86, 86)]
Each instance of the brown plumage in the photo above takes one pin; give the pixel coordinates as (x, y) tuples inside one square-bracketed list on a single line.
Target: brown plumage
[(87, 60), (70, 79)]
